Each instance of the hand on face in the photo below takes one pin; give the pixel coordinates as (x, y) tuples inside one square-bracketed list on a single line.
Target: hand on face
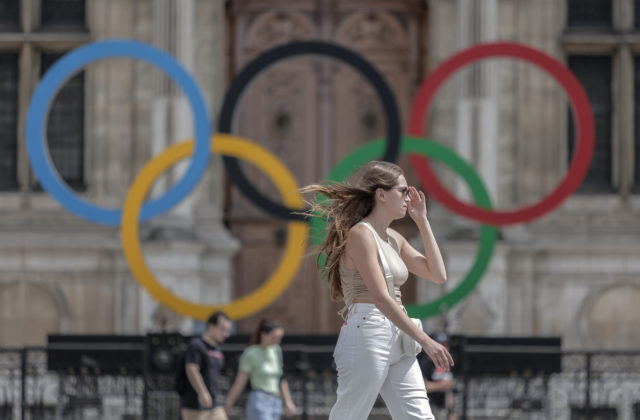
[(416, 204)]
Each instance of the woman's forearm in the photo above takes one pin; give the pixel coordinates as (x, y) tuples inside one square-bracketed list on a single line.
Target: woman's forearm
[(286, 394), (433, 257), (236, 389)]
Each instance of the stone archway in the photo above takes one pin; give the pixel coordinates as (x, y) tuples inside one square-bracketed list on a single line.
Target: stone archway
[(28, 312), (608, 319)]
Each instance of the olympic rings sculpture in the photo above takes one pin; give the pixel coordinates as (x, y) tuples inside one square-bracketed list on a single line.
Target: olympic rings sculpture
[(233, 147)]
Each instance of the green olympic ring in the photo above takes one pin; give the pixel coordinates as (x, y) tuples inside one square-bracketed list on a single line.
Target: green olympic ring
[(425, 147)]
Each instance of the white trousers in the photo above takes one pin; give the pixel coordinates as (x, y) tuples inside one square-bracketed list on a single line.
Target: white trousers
[(369, 361)]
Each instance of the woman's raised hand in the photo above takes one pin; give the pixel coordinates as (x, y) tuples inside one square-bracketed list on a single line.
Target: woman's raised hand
[(417, 204)]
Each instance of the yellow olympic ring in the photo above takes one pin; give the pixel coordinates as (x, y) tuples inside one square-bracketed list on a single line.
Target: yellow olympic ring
[(297, 231)]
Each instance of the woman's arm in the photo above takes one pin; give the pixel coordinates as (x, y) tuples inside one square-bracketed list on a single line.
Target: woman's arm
[(439, 386), (236, 389), (362, 251), (430, 265), (290, 407)]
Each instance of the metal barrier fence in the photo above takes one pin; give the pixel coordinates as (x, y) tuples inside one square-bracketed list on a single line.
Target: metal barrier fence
[(590, 385)]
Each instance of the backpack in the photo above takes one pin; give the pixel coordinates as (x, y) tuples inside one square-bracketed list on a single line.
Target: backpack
[(181, 381)]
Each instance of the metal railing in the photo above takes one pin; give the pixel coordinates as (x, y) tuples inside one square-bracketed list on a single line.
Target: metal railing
[(590, 385)]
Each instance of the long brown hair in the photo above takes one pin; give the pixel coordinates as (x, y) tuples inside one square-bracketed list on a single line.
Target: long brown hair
[(349, 202), (264, 327)]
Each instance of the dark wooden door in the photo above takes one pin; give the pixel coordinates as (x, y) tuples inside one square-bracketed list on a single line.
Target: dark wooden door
[(311, 112)]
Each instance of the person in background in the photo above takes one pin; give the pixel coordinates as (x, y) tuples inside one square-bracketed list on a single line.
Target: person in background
[(439, 384), (261, 364), (203, 362)]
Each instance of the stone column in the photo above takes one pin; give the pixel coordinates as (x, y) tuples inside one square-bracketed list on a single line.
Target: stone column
[(190, 249), (210, 63)]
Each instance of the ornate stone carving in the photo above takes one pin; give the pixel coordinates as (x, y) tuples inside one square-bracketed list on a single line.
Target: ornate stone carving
[(164, 319), (372, 30), (278, 28), (281, 87), (370, 116)]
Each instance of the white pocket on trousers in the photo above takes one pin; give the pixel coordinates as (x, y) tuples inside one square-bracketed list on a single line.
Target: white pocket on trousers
[(370, 320)]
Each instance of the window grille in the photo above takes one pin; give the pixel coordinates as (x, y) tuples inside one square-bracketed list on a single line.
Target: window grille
[(594, 72), (63, 14), (65, 127), (590, 14), (8, 122), (9, 14)]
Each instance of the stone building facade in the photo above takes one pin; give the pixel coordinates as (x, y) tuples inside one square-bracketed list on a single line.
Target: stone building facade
[(572, 273), (60, 273)]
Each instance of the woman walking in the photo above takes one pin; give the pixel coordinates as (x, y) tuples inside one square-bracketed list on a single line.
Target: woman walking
[(366, 264), (261, 363)]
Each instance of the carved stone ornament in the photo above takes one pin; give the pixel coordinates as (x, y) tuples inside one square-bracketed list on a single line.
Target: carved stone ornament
[(164, 319), (372, 30), (277, 28)]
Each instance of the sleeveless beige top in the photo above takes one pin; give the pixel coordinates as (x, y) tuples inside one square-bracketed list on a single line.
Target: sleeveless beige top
[(354, 288)]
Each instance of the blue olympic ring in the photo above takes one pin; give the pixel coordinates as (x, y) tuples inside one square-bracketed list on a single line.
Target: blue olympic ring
[(62, 70)]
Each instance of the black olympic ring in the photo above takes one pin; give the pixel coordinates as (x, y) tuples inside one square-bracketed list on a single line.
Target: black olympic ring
[(242, 80)]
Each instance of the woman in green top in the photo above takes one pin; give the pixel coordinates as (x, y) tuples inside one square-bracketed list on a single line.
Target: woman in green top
[(261, 363)]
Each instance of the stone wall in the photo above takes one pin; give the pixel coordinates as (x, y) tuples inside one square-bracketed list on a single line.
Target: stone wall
[(64, 275), (572, 273)]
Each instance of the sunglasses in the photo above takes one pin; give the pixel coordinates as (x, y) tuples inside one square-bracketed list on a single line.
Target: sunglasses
[(403, 190)]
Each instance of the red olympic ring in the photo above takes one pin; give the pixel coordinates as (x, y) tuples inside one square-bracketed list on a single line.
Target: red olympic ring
[(581, 108)]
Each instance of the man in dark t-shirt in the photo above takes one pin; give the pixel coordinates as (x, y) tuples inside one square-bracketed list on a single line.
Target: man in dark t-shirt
[(203, 362), (439, 384)]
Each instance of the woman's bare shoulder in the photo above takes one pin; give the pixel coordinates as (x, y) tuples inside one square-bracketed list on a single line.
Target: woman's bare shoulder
[(359, 232), (359, 236)]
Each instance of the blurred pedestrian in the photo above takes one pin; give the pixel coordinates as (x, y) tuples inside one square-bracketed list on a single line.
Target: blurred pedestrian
[(440, 384), (261, 364), (203, 362)]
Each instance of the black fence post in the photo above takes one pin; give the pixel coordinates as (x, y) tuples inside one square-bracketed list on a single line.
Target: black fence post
[(23, 380), (145, 382), (304, 367), (465, 379), (587, 397), (305, 414)]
